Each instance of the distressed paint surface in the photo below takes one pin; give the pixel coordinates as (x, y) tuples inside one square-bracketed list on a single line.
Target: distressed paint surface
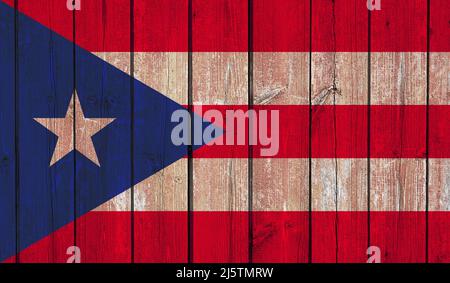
[(439, 168), (339, 184), (167, 190), (167, 73), (106, 241), (280, 184), (220, 184), (398, 184), (439, 187), (55, 248)]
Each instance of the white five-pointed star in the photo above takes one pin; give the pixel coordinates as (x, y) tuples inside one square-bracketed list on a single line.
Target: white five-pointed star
[(85, 128)]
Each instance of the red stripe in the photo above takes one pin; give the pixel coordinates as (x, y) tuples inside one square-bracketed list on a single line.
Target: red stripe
[(222, 25), (341, 131), (439, 25), (339, 237), (104, 237), (401, 236), (220, 237), (401, 25), (277, 237), (280, 236), (160, 25), (161, 236), (281, 26), (439, 237), (339, 26), (398, 131)]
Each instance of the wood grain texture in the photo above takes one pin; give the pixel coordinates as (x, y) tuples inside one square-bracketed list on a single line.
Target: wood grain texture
[(398, 79), (280, 184), (167, 190), (167, 73), (220, 184), (7, 137), (105, 241), (439, 168), (338, 78), (398, 184), (339, 184), (280, 187), (120, 60), (54, 249), (439, 179)]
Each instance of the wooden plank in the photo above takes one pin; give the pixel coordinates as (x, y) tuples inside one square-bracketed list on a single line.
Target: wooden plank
[(220, 186), (104, 235), (398, 185), (166, 72), (280, 186), (339, 185), (439, 168), (160, 201), (7, 135), (36, 180), (280, 201)]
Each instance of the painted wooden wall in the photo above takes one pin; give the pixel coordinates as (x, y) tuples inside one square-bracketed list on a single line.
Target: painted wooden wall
[(332, 67)]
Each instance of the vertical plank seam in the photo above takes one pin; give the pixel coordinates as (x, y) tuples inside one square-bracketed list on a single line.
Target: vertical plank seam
[(190, 191), (334, 92), (250, 124), (310, 137), (369, 94), (132, 244), (16, 129), (74, 130), (336, 223), (427, 142)]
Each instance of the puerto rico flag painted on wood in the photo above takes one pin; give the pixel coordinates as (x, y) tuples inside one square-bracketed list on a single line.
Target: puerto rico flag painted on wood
[(357, 169)]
